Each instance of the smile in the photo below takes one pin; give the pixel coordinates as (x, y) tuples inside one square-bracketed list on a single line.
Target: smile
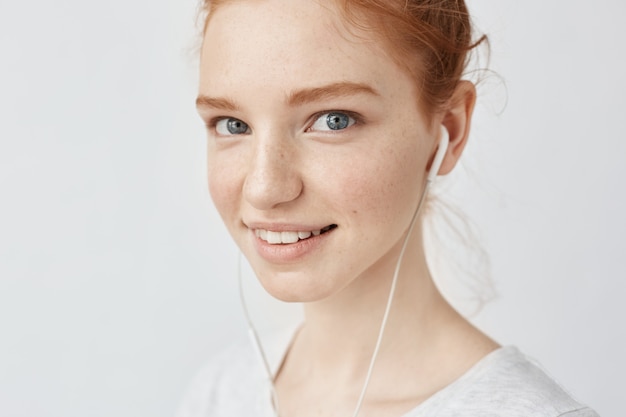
[(285, 238)]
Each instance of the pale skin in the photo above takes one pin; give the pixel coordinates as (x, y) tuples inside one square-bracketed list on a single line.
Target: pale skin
[(279, 71)]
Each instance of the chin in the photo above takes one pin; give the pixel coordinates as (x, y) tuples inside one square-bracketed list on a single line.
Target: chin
[(292, 287)]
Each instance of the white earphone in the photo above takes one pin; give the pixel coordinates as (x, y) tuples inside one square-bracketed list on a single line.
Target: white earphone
[(444, 141), (442, 148)]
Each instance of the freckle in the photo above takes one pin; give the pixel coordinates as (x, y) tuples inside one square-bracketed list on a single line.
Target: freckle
[(354, 212)]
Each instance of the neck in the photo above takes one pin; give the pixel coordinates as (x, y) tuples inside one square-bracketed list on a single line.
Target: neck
[(426, 344), (341, 332)]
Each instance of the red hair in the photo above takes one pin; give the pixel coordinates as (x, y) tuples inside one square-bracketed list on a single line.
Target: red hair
[(430, 39)]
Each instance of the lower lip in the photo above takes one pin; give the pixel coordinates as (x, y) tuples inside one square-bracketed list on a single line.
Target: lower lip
[(291, 252)]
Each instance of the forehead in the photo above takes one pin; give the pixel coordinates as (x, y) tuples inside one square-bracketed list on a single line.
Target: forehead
[(288, 44)]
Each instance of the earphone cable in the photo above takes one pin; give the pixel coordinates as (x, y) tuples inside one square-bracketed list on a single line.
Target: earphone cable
[(254, 338)]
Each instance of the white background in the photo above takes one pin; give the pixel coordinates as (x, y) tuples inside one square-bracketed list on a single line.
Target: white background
[(117, 278)]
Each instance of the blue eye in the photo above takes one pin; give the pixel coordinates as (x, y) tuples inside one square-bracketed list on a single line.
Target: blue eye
[(231, 126), (332, 121)]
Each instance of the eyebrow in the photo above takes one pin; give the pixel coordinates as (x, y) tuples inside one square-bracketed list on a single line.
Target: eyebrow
[(330, 91), (216, 103), (297, 98)]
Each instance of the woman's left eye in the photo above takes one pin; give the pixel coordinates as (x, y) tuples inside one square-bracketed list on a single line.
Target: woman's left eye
[(332, 121)]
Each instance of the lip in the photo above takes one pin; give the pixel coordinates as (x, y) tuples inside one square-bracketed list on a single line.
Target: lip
[(285, 227), (289, 252)]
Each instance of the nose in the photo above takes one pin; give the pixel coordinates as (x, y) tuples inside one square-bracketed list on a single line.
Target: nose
[(273, 176)]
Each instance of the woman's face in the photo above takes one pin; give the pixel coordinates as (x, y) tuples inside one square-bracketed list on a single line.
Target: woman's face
[(317, 150)]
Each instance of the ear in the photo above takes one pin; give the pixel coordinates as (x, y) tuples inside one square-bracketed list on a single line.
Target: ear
[(457, 119)]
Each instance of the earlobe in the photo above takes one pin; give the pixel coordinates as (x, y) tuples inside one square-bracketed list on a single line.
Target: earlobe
[(457, 120)]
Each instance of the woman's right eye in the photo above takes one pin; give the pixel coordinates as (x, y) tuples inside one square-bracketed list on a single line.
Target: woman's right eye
[(230, 126)]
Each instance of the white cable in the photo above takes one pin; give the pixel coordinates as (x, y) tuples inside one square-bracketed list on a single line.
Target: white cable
[(254, 338), (432, 174)]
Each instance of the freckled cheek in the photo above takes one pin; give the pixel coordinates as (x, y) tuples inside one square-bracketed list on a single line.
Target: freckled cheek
[(225, 189), (380, 191)]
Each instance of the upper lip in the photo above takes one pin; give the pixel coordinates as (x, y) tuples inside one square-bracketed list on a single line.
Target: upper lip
[(285, 227)]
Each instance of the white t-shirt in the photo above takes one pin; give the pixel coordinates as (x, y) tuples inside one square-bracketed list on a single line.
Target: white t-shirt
[(504, 383)]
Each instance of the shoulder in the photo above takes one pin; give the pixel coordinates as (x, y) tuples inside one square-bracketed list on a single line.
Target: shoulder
[(234, 382), (223, 383), (506, 383)]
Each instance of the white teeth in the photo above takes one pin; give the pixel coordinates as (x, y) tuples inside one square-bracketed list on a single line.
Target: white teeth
[(276, 238), (261, 233), (289, 237), (304, 235), (273, 237)]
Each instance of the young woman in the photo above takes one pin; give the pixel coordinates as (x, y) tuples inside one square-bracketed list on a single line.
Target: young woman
[(327, 121)]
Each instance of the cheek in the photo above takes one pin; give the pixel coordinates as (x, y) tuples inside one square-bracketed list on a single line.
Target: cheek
[(382, 185), (224, 186)]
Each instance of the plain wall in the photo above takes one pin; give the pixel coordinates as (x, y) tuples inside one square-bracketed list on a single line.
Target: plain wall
[(117, 279)]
